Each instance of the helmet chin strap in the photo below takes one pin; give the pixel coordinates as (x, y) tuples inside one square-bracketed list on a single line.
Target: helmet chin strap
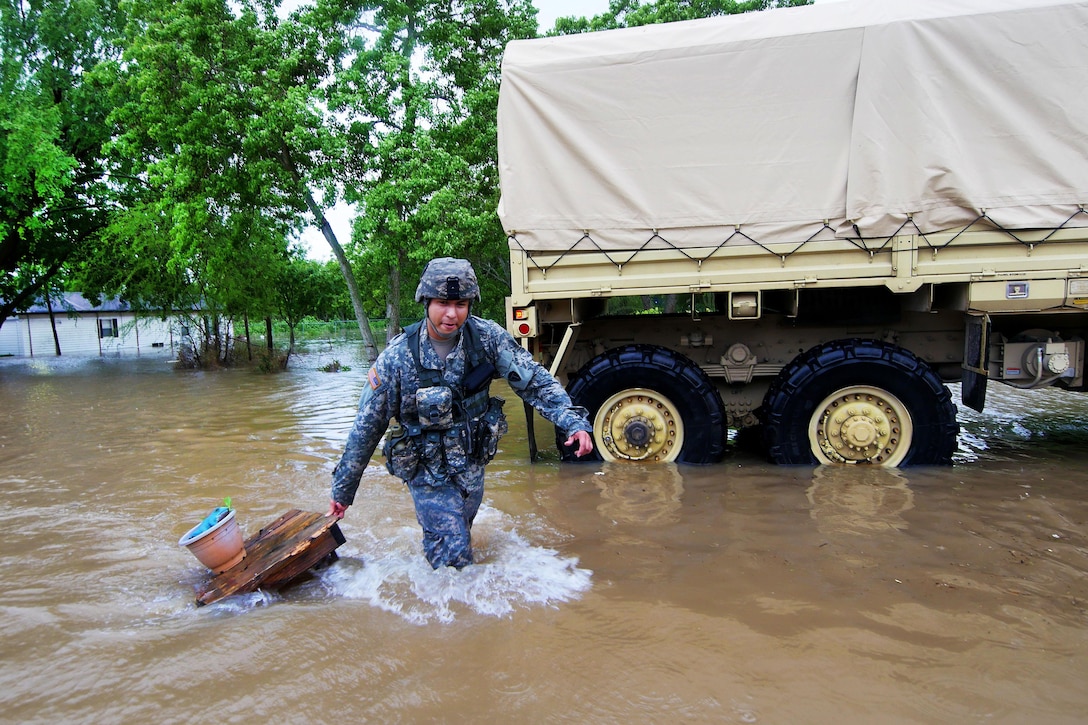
[(434, 331)]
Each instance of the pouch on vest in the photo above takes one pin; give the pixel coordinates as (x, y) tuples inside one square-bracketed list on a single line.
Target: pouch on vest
[(478, 378), (489, 429), (401, 452), (456, 447), (435, 407)]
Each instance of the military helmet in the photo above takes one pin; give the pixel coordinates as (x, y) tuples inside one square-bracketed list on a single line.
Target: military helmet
[(447, 278)]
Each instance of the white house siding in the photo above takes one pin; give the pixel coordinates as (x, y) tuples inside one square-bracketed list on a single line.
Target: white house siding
[(135, 334), (30, 335), (12, 337), (80, 325), (78, 335)]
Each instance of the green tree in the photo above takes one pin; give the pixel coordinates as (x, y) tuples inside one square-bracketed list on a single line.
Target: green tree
[(300, 288), (55, 197), (332, 300), (424, 81), (632, 13), (221, 102)]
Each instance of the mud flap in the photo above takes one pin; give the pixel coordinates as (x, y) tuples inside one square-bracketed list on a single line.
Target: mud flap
[(975, 360)]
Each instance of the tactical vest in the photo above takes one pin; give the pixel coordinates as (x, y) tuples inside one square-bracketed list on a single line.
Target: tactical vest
[(473, 431), (471, 396)]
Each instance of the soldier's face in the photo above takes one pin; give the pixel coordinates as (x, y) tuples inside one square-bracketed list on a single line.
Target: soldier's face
[(447, 316)]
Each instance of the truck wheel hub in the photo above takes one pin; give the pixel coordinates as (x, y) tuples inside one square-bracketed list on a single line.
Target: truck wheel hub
[(859, 432), (861, 424), (638, 431), (638, 424)]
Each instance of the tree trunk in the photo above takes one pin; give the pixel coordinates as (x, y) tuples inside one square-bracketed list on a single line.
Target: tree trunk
[(218, 338), (268, 333), (53, 322), (370, 347)]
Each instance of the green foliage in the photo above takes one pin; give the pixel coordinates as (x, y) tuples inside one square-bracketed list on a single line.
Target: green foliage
[(333, 302), (424, 81), (301, 288), (334, 367), (704, 303), (169, 153), (633, 13), (206, 113), (271, 361), (55, 197), (311, 330), (221, 102)]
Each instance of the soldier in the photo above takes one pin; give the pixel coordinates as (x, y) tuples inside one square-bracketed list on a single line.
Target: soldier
[(429, 387)]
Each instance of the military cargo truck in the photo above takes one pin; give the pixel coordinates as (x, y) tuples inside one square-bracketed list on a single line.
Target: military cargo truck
[(801, 224)]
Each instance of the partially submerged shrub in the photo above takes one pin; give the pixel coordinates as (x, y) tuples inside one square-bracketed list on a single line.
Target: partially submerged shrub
[(334, 367)]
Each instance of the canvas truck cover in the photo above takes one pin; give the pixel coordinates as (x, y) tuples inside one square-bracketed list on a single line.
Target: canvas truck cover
[(861, 114)]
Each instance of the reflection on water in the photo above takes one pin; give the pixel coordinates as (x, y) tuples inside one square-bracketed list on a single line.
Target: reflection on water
[(859, 500), (740, 592), (633, 495)]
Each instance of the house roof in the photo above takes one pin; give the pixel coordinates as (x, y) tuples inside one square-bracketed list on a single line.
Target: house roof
[(76, 302)]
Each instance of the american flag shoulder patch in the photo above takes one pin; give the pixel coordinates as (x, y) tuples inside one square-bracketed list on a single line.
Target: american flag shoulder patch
[(375, 381)]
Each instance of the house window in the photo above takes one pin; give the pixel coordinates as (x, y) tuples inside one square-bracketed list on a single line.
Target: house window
[(107, 327)]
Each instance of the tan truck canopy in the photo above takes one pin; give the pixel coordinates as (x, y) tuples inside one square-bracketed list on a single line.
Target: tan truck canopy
[(861, 112)]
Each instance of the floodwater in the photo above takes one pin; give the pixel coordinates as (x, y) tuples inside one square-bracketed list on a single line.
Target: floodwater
[(739, 592)]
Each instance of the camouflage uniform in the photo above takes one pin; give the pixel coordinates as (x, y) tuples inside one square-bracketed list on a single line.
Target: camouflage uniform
[(443, 469)]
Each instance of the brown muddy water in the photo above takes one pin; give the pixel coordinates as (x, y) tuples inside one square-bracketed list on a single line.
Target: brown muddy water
[(739, 592)]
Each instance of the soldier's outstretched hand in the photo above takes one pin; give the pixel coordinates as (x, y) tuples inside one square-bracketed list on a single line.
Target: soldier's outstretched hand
[(336, 509), (584, 441)]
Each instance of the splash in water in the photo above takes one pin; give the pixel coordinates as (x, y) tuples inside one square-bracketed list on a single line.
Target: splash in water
[(509, 573)]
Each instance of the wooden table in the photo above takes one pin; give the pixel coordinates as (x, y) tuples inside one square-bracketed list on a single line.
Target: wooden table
[(278, 554)]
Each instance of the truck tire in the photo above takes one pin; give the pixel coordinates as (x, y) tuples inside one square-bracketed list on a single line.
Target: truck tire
[(649, 404), (859, 401)]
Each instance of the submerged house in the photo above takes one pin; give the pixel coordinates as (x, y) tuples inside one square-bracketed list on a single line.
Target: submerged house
[(85, 327)]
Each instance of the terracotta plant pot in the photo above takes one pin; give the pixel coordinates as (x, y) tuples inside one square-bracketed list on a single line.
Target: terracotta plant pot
[(218, 548)]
